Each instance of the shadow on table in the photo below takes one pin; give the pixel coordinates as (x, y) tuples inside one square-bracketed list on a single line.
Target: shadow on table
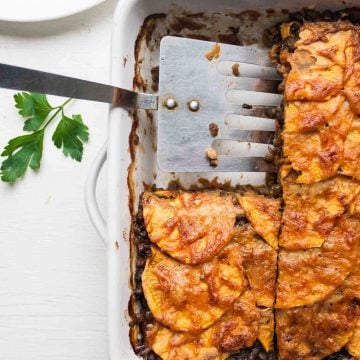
[(58, 26)]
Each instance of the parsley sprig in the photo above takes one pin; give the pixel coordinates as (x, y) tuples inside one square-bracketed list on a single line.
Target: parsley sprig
[(26, 151)]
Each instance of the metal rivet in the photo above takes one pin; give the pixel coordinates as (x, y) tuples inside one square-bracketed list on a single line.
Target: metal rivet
[(170, 103), (194, 105)]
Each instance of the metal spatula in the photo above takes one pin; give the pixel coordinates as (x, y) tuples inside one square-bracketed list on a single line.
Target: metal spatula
[(211, 96)]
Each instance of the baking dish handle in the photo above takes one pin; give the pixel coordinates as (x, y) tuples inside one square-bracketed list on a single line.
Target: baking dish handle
[(90, 193)]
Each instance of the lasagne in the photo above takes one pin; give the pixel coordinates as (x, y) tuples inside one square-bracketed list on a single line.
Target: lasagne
[(209, 281), (318, 284), (222, 272)]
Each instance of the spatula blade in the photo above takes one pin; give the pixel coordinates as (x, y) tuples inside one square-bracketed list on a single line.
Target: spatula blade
[(192, 73)]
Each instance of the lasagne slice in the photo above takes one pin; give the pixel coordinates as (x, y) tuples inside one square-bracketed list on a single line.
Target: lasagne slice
[(311, 211), (216, 307), (309, 276), (237, 329), (316, 331), (189, 298), (320, 99)]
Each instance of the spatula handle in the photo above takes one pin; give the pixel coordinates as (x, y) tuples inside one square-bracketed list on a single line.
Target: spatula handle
[(19, 78)]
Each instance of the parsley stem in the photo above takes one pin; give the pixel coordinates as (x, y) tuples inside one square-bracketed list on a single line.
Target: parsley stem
[(63, 105), (59, 108)]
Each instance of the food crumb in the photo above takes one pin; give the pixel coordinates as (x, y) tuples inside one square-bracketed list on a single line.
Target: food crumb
[(211, 154), (214, 53), (269, 157), (213, 157), (214, 129), (236, 69)]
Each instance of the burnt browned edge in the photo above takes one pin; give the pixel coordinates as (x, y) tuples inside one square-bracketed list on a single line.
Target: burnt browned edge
[(133, 142)]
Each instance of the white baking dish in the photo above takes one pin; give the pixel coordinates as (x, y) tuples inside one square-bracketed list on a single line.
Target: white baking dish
[(128, 18)]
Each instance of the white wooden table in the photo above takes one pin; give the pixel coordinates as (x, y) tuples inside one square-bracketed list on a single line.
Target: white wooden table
[(52, 263)]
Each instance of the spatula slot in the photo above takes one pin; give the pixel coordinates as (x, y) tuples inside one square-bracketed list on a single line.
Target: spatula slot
[(259, 85), (252, 97), (243, 122), (240, 149), (252, 136), (233, 68), (259, 111)]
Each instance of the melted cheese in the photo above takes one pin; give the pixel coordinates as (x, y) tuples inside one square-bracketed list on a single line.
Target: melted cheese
[(191, 227), (224, 276), (199, 313), (318, 282), (318, 66), (266, 329), (312, 275), (354, 207), (263, 214), (311, 211), (179, 296), (170, 345), (259, 261), (350, 162), (316, 331), (321, 92), (353, 347), (237, 329), (352, 289)]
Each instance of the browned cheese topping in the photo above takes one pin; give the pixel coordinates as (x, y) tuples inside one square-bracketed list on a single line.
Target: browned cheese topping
[(191, 298), (318, 284), (190, 227), (264, 216), (259, 262), (221, 300), (322, 88), (311, 212), (237, 329), (311, 275)]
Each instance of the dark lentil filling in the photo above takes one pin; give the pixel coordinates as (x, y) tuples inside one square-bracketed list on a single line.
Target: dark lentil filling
[(139, 311), (141, 314)]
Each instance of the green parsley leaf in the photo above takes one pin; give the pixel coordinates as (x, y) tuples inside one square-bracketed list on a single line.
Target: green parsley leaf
[(70, 135), (26, 150), (33, 106), (22, 151)]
